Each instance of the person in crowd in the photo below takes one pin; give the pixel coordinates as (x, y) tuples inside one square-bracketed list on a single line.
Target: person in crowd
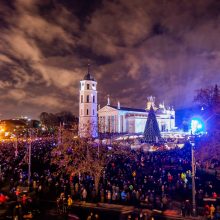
[(69, 202), (212, 211), (84, 194), (217, 212), (207, 210)]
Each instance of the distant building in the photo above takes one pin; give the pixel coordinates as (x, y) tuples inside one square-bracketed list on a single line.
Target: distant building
[(11, 125), (116, 119), (17, 126)]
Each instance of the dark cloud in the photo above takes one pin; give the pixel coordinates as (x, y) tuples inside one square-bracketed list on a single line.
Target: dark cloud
[(136, 48)]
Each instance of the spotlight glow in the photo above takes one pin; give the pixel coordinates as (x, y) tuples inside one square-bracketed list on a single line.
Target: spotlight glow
[(197, 126)]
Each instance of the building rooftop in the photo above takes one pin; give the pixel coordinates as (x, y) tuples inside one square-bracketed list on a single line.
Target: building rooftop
[(88, 76), (129, 109), (160, 111)]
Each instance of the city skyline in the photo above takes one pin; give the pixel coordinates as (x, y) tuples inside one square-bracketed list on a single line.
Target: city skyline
[(167, 49)]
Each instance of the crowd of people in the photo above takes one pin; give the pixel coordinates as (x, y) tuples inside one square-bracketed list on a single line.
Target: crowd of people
[(157, 180), (14, 175)]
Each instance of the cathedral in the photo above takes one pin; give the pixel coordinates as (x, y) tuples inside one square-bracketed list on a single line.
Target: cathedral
[(115, 118)]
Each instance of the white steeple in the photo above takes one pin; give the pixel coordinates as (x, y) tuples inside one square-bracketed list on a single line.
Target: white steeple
[(172, 111), (119, 106), (108, 100), (88, 119)]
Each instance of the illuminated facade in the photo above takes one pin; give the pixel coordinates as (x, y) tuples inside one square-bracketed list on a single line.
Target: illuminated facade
[(117, 119), (88, 107)]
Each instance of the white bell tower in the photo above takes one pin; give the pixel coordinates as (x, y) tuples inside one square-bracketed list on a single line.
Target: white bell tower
[(88, 119)]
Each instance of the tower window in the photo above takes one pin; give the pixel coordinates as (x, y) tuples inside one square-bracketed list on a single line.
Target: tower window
[(87, 111), (93, 99), (93, 112), (87, 86), (87, 98), (81, 98)]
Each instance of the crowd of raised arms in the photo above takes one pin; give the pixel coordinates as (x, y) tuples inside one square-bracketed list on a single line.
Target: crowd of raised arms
[(158, 180)]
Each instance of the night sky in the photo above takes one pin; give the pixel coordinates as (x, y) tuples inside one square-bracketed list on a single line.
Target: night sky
[(136, 48)]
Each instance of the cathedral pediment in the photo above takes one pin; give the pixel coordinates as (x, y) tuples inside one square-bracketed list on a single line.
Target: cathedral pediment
[(107, 108)]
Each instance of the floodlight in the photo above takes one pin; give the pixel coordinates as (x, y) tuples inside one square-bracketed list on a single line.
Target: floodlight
[(197, 125)]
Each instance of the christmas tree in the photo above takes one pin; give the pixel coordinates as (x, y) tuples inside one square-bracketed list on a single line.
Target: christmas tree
[(152, 131)]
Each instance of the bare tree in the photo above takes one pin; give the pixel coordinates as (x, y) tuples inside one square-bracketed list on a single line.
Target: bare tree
[(79, 155), (209, 146)]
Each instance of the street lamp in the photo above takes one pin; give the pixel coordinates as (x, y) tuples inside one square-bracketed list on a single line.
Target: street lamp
[(197, 125), (16, 146), (59, 141), (16, 142), (193, 181), (29, 160)]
